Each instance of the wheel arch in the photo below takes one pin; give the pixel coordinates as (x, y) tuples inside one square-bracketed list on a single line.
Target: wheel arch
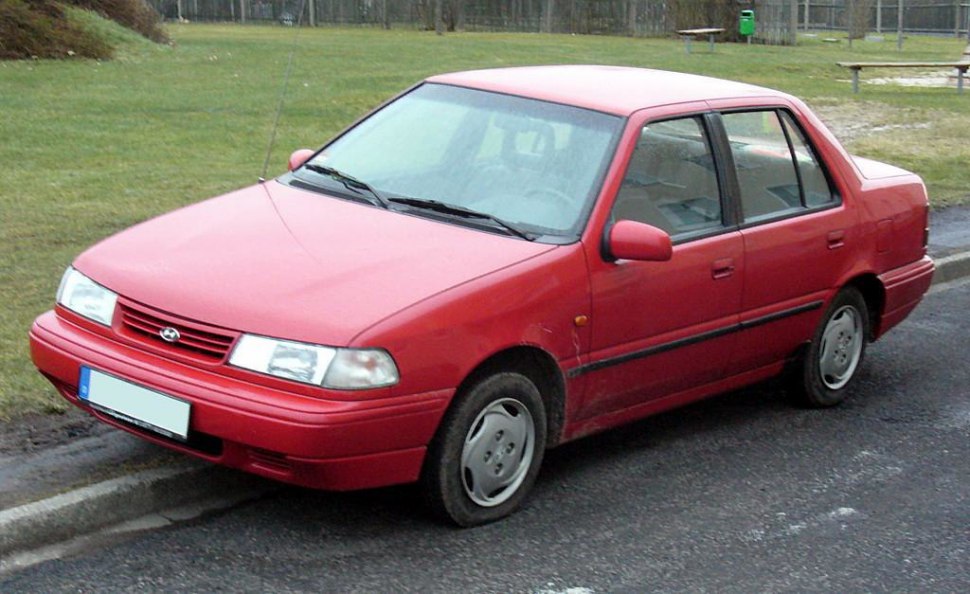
[(541, 368), (874, 295)]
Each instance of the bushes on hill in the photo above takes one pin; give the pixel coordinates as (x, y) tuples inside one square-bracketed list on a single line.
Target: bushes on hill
[(39, 29), (43, 29), (137, 15)]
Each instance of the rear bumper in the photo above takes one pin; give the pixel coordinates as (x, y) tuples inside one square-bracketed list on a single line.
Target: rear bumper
[(905, 287), (308, 441)]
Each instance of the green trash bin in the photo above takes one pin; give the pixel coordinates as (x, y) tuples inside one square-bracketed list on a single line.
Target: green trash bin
[(746, 23)]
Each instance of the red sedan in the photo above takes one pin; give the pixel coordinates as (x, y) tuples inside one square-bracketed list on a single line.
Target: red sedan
[(489, 265)]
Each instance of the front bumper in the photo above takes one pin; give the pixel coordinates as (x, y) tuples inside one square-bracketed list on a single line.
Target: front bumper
[(294, 438)]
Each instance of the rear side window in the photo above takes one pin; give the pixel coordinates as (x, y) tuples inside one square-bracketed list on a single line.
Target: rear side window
[(777, 170), (671, 182), (766, 171)]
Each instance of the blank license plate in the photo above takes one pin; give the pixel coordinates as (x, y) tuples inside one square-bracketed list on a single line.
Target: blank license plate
[(135, 404)]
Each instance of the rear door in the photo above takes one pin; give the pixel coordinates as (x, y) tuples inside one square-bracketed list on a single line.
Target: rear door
[(797, 233)]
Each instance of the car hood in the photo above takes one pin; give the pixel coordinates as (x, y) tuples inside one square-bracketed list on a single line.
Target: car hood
[(289, 263)]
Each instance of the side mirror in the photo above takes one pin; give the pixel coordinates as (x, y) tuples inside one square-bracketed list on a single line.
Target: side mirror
[(630, 240), (299, 157)]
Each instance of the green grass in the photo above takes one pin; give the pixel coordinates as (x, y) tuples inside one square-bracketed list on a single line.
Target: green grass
[(92, 147)]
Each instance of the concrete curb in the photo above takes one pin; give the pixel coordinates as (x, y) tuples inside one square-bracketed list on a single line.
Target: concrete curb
[(112, 502), (109, 503), (952, 267)]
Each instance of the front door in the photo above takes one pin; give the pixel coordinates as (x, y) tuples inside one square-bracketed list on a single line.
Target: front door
[(662, 328)]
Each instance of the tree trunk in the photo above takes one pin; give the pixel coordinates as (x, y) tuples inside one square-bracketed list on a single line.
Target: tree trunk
[(426, 12), (459, 8), (547, 16)]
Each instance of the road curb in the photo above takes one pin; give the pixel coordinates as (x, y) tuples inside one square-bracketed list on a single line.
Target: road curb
[(112, 502), (952, 267)]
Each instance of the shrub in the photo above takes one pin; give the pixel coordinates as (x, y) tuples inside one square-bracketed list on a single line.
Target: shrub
[(137, 15), (39, 29), (44, 29)]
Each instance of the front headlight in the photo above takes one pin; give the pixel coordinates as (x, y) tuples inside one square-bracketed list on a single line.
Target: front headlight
[(339, 369), (85, 297)]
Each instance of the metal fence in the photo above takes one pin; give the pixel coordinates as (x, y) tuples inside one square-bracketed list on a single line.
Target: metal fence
[(607, 17), (645, 18), (941, 17)]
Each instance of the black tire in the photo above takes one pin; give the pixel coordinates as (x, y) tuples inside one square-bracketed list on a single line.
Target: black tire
[(499, 425), (832, 360)]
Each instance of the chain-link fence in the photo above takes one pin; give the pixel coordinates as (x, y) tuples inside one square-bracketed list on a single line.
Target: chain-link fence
[(608, 17), (942, 17), (643, 18), (640, 17)]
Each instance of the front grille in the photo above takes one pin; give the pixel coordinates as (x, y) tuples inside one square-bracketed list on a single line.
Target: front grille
[(197, 340)]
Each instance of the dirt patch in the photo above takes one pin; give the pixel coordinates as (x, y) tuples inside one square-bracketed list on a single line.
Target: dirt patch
[(44, 455), (851, 121), (939, 79), (37, 431), (856, 120)]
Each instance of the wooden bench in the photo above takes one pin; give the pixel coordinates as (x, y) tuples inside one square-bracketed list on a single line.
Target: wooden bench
[(688, 34), (855, 67)]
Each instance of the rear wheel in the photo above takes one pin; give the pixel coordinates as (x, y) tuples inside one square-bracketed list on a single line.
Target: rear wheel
[(487, 452), (836, 352)]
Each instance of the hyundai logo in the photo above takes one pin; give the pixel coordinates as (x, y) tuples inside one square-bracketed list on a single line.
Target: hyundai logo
[(170, 334)]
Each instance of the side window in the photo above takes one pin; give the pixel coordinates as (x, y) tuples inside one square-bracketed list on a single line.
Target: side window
[(763, 160), (671, 182), (817, 191)]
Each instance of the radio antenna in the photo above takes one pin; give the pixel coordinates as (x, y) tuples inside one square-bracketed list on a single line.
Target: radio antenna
[(286, 84)]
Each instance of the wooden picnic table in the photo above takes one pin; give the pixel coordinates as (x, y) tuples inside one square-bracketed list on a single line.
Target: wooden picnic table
[(855, 67), (688, 34)]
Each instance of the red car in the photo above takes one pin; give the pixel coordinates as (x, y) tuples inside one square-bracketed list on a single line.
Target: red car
[(489, 265)]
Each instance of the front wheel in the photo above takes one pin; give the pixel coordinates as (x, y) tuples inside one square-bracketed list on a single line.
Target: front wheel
[(487, 452), (836, 351)]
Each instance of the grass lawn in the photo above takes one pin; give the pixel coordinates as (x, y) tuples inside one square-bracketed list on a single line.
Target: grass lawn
[(90, 148)]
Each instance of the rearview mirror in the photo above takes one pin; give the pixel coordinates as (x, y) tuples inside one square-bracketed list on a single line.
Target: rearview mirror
[(630, 240), (299, 157)]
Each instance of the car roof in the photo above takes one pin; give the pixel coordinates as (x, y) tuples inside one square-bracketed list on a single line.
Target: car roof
[(618, 90)]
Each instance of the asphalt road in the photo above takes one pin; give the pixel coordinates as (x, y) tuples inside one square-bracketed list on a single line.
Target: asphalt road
[(742, 493)]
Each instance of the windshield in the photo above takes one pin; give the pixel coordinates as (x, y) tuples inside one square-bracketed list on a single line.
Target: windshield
[(527, 163)]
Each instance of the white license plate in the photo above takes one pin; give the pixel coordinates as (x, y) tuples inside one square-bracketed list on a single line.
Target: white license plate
[(135, 404)]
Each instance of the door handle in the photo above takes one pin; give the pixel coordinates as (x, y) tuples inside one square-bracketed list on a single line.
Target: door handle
[(722, 268), (836, 239)]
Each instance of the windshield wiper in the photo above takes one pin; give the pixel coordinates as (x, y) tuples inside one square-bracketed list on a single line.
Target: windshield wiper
[(350, 182), (467, 213)]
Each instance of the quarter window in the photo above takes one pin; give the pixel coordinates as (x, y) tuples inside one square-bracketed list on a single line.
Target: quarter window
[(671, 182)]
